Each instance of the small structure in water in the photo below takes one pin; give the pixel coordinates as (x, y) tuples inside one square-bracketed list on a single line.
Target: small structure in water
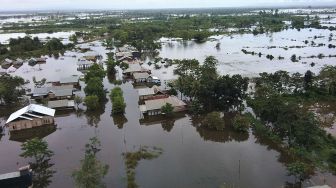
[(7, 63), (135, 68), (68, 81), (23, 178), (153, 107), (53, 93), (64, 104), (151, 93), (29, 117)]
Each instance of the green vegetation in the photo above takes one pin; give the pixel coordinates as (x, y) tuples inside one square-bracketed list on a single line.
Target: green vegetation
[(78, 100), (167, 109), (92, 102), (241, 123), (38, 150), (10, 88), (279, 101), (117, 98), (132, 159), (214, 121), (31, 47), (94, 83), (203, 83), (92, 171)]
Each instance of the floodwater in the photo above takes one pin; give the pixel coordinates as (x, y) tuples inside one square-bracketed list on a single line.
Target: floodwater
[(192, 156)]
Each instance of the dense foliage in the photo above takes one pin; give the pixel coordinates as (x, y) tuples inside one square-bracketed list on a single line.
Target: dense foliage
[(204, 84), (118, 103), (92, 171), (279, 101), (10, 88)]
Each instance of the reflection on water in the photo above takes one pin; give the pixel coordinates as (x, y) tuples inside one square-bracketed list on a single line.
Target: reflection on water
[(43, 173), (36, 132), (119, 120), (193, 157)]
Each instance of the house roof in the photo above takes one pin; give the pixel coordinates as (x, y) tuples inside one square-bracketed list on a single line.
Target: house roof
[(149, 91), (61, 103), (70, 79), (158, 103), (28, 112), (146, 91), (140, 75), (134, 68), (59, 91)]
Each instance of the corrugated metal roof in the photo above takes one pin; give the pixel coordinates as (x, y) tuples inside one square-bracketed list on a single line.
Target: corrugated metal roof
[(158, 103), (70, 79), (141, 75), (61, 103), (134, 68), (146, 91), (31, 109), (59, 91)]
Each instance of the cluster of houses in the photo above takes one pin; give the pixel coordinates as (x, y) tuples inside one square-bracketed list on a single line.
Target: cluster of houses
[(9, 66), (90, 58)]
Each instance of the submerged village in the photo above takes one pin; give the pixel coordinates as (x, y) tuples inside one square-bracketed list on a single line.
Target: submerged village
[(201, 98)]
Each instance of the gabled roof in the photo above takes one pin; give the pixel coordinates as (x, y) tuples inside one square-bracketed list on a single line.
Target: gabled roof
[(135, 68), (158, 103), (140, 75), (70, 79), (146, 91), (28, 112), (61, 103), (59, 91)]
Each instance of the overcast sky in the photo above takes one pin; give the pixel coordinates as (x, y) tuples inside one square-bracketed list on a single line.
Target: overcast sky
[(8, 5)]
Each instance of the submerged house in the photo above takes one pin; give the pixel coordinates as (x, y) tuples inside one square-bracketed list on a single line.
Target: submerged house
[(29, 117), (18, 62), (151, 93), (53, 93), (22, 178), (7, 63), (84, 64), (153, 107), (68, 81), (61, 104), (140, 77), (135, 68)]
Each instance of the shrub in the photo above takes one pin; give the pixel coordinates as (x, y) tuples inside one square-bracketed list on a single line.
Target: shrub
[(213, 120), (241, 123), (167, 109), (91, 102)]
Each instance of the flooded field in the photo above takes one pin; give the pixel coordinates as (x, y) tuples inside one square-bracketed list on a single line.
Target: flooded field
[(192, 156)]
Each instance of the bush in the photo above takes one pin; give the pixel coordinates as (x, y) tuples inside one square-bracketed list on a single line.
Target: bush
[(213, 120), (167, 109), (241, 123), (117, 98), (91, 102)]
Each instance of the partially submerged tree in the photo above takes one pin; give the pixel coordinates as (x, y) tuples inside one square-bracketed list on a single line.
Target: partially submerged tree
[(10, 88), (167, 109), (91, 102), (214, 121), (92, 171)]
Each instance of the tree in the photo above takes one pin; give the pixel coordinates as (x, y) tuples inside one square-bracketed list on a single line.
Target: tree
[(39, 83), (73, 38), (54, 45), (10, 88), (91, 102), (117, 98), (37, 149), (167, 109), (241, 123), (95, 87), (214, 121), (95, 71), (41, 167), (298, 170), (92, 171), (78, 100)]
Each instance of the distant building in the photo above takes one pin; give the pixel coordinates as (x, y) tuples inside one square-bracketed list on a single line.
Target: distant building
[(53, 93), (153, 107), (29, 117)]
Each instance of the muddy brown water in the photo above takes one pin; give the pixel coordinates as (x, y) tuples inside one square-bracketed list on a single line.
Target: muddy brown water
[(192, 156)]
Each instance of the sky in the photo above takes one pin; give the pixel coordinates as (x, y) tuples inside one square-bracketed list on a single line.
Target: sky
[(12, 5)]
